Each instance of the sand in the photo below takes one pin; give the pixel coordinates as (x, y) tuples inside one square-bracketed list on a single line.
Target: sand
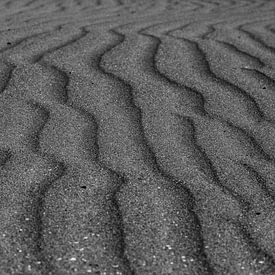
[(137, 137)]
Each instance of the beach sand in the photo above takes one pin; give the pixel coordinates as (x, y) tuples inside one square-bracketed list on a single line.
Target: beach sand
[(137, 137)]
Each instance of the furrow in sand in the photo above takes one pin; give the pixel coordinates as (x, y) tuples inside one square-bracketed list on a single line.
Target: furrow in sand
[(34, 88), (85, 234), (64, 138), (159, 136), (192, 265), (198, 75), (23, 176), (240, 56), (250, 101), (33, 48), (257, 39), (5, 75), (12, 38), (153, 242), (131, 57), (214, 58), (244, 42), (260, 29), (250, 84), (225, 174), (222, 99)]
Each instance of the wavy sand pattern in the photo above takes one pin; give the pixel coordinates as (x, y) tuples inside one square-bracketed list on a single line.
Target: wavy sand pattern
[(137, 137)]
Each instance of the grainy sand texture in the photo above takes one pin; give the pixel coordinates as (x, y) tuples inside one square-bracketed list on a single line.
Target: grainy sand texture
[(137, 137)]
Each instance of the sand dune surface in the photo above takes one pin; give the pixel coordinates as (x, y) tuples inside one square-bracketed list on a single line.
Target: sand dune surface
[(137, 137)]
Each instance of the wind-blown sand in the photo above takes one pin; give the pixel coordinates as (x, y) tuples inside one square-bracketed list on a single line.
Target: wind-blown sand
[(137, 137)]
